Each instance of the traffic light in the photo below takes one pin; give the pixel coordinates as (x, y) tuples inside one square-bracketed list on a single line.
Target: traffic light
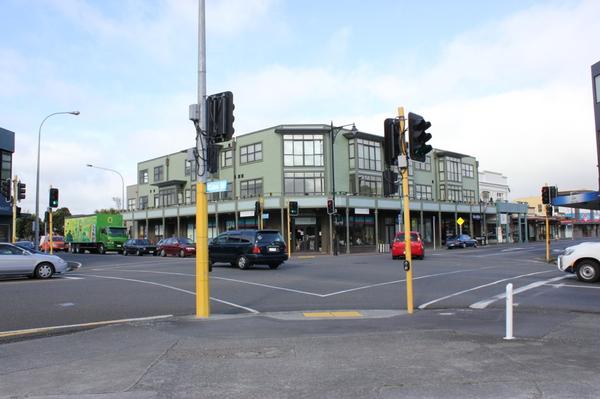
[(53, 203), (5, 188), (545, 195), (418, 137), (330, 207), (553, 193), (549, 210), (21, 191), (257, 208), (293, 208), (219, 116), (390, 183), (391, 143)]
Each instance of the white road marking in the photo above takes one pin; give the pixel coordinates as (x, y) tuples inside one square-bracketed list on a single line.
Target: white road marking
[(72, 278), (269, 286), (66, 304), (484, 304), (573, 286), (176, 289), (512, 249), (423, 306)]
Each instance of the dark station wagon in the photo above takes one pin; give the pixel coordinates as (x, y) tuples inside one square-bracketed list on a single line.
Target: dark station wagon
[(244, 248)]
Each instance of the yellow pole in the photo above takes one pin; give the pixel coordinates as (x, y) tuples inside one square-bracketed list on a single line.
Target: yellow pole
[(547, 235), (14, 210), (289, 232), (260, 215), (407, 245), (50, 230), (202, 292)]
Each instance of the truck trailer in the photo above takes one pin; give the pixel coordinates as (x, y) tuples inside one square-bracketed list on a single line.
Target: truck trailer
[(95, 233)]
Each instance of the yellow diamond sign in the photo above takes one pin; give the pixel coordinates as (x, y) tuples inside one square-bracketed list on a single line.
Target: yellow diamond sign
[(460, 221)]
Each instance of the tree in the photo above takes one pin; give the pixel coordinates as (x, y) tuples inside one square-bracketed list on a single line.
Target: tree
[(58, 220), (112, 211), (24, 228)]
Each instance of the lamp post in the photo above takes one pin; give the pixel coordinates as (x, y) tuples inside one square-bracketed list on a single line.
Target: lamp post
[(37, 178), (333, 132), (122, 182)]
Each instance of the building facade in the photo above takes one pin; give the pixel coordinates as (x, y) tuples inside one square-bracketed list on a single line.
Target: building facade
[(299, 163), (7, 148)]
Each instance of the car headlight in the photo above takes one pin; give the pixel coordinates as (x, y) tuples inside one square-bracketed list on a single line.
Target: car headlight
[(569, 251)]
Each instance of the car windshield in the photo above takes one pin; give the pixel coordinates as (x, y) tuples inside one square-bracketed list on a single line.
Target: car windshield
[(117, 231), (142, 242), (184, 240), (413, 237), (268, 237)]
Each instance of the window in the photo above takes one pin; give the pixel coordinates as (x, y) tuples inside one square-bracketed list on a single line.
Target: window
[(251, 153), (156, 200), (468, 170), (423, 192), (303, 150), (226, 158), (159, 173), (188, 196), (131, 203), (369, 185), (143, 176), (303, 182), (422, 165), (6, 165), (193, 192), (539, 208), (369, 154), (143, 202), (251, 188), (454, 194), (597, 84), (168, 197), (454, 171), (469, 196)]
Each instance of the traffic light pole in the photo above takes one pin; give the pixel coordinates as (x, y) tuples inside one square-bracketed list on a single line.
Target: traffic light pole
[(50, 231), (289, 232), (202, 287), (14, 210), (547, 235), (407, 240)]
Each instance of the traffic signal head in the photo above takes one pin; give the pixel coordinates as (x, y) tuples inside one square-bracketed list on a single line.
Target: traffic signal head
[(545, 195), (330, 207), (21, 191), (418, 137), (5, 188), (553, 193), (257, 208), (53, 203), (391, 144), (293, 208), (390, 185), (219, 116)]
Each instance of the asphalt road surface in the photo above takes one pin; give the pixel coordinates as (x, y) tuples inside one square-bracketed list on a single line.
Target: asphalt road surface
[(113, 287)]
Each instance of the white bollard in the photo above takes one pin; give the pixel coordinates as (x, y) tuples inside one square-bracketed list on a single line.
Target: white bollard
[(509, 312)]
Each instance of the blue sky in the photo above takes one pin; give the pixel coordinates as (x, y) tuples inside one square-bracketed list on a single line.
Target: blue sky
[(505, 81)]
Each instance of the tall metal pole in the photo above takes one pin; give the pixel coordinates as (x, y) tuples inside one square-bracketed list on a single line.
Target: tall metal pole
[(37, 178), (333, 216), (122, 182), (202, 288), (14, 209)]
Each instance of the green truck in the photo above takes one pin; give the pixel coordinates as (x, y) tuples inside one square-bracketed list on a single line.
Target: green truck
[(95, 233)]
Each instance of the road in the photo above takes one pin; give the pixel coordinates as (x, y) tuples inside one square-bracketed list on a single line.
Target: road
[(114, 287)]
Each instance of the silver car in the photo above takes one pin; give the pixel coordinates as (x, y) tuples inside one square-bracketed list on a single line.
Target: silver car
[(18, 261)]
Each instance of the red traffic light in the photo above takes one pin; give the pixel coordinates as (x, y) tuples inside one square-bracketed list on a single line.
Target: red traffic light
[(330, 207)]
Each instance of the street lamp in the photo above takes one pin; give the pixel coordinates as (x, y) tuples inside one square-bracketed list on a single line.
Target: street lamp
[(122, 182), (333, 132), (37, 179)]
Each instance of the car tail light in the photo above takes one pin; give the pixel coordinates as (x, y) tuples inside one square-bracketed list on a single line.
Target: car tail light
[(256, 249)]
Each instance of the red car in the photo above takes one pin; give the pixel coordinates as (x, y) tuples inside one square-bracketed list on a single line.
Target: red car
[(416, 245), (181, 246)]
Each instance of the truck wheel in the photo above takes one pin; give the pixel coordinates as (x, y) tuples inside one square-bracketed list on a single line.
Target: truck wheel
[(43, 271), (101, 249), (588, 271)]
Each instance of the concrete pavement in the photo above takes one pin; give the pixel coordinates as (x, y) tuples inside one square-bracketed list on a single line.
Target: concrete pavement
[(382, 354)]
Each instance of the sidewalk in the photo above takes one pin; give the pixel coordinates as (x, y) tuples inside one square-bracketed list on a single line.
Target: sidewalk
[(385, 354)]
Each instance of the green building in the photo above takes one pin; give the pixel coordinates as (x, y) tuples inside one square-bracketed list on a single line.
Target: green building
[(294, 163)]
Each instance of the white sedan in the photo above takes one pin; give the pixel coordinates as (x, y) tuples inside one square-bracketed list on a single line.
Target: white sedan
[(19, 261), (582, 259)]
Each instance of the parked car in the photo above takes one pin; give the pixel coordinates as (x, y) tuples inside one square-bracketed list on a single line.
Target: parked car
[(28, 245), (583, 260), (139, 246), (417, 248), (18, 261), (461, 241), (181, 246), (58, 243), (244, 248)]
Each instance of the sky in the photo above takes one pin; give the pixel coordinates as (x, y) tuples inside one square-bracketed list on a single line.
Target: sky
[(508, 82)]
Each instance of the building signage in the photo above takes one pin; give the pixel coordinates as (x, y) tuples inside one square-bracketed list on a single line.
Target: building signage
[(247, 214), (566, 200), (361, 211), (216, 186)]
